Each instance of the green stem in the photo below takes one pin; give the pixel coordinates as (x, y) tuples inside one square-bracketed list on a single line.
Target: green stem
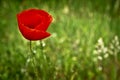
[(31, 48), (41, 49), (33, 57)]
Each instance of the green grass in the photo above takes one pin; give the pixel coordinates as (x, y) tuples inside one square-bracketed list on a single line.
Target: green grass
[(79, 38)]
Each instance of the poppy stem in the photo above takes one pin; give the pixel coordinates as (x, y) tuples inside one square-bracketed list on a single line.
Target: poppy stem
[(33, 57), (41, 46), (31, 48)]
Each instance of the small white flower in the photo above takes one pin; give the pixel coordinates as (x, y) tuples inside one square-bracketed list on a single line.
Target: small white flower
[(43, 44), (105, 50), (99, 51), (34, 51), (106, 55), (99, 68), (28, 60), (116, 38), (100, 41), (100, 58)]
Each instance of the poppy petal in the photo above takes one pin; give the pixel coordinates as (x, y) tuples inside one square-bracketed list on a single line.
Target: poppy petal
[(33, 34), (44, 26), (30, 19), (46, 19)]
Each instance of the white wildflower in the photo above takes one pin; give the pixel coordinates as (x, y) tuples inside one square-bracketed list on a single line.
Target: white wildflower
[(100, 58)]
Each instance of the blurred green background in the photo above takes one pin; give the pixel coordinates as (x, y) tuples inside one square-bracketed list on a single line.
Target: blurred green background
[(84, 45)]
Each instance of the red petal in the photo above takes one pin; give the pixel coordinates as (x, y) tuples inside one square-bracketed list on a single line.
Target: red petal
[(34, 18), (33, 34), (30, 19), (45, 23), (46, 19)]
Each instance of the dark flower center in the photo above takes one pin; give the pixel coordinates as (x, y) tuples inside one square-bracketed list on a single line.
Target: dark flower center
[(32, 20)]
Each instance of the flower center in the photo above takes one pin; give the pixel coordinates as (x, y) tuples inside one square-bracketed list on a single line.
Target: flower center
[(32, 21)]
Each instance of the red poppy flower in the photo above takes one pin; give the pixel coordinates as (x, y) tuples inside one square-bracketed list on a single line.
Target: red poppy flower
[(33, 23)]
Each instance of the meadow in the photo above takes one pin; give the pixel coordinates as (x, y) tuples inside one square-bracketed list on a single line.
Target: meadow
[(84, 42)]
